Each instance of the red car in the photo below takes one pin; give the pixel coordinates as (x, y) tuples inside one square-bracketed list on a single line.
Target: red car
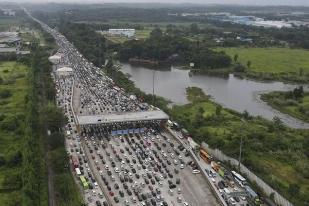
[(111, 193), (93, 157)]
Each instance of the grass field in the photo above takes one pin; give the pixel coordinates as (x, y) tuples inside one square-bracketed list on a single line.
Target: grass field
[(297, 108), (7, 22), (12, 113), (275, 153), (271, 60)]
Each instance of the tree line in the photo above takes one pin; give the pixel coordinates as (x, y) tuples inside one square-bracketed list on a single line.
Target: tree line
[(168, 47)]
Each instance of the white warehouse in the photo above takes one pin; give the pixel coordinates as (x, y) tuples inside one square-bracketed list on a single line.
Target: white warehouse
[(122, 32)]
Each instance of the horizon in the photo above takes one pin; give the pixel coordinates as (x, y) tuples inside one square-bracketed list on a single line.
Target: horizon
[(194, 2)]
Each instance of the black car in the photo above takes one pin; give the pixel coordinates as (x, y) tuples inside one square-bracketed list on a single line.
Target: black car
[(121, 193), (98, 203), (116, 199), (237, 199), (158, 191), (129, 192), (116, 186)]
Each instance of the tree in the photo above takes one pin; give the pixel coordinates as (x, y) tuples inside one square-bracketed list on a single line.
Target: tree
[(218, 110), (194, 29), (249, 64), (239, 68), (110, 63), (246, 115), (301, 71), (278, 124), (293, 189), (156, 33), (235, 57)]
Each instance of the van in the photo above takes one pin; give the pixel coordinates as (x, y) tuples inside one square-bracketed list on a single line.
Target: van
[(226, 190)]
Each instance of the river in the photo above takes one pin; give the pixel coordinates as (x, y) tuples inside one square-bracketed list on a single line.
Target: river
[(234, 93)]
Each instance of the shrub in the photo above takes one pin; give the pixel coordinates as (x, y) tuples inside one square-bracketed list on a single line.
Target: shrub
[(5, 93)]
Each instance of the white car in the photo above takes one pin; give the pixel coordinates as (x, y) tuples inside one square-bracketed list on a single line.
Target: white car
[(185, 204), (182, 166), (196, 172)]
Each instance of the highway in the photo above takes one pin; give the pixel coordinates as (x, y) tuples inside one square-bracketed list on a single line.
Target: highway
[(147, 167)]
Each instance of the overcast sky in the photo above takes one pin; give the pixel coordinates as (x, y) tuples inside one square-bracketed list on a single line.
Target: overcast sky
[(243, 2)]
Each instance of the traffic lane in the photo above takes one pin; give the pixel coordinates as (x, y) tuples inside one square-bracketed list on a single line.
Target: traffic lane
[(165, 186), (95, 174), (195, 189), (104, 173), (194, 186), (115, 143), (90, 195)]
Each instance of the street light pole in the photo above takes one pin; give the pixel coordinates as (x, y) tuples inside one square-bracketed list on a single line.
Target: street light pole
[(240, 147), (153, 82)]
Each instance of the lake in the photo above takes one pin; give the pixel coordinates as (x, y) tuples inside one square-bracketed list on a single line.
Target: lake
[(234, 93)]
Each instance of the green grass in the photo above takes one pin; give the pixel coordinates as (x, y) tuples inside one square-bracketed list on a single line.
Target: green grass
[(297, 108), (271, 60), (8, 22), (11, 141), (275, 153)]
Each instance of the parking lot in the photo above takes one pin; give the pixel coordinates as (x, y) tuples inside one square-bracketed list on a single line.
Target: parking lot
[(146, 169)]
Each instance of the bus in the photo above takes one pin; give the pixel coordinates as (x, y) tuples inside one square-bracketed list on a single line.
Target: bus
[(205, 156), (84, 182), (239, 179)]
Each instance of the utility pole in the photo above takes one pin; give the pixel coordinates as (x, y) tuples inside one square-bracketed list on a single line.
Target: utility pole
[(153, 82), (239, 158), (240, 147)]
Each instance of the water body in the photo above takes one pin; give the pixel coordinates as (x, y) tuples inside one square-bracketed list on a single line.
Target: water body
[(234, 93)]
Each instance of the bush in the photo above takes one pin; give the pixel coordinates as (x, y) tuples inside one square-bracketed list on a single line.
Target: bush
[(5, 93)]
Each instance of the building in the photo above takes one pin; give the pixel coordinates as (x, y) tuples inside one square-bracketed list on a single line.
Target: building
[(64, 71), (54, 59), (9, 37), (122, 32)]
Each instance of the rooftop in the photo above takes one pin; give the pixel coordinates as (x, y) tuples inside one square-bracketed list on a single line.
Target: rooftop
[(122, 117)]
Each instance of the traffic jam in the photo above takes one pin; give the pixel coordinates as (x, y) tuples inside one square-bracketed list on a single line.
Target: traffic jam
[(127, 163)]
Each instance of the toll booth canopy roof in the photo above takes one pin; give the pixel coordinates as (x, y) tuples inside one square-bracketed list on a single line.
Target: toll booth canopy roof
[(122, 117)]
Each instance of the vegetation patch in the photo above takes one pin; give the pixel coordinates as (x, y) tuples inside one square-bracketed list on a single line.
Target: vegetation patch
[(272, 63), (12, 118), (294, 103)]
